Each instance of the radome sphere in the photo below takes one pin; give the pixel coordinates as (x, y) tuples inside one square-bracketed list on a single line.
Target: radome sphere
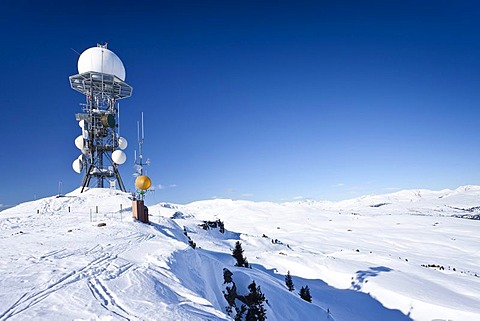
[(143, 182), (99, 59)]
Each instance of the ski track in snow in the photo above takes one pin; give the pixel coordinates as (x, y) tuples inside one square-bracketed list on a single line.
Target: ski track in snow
[(104, 257)]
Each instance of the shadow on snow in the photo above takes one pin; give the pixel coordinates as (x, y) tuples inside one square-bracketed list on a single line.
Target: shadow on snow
[(206, 280), (361, 277), (345, 304)]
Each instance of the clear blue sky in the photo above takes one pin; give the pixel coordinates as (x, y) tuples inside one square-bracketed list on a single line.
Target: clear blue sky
[(254, 100)]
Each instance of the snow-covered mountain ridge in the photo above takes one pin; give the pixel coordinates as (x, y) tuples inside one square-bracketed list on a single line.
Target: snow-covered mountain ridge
[(399, 256)]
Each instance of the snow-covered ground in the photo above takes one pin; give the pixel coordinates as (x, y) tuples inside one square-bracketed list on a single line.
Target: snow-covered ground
[(402, 256)]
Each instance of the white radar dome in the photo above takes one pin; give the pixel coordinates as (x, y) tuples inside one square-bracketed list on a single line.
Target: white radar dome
[(119, 157), (99, 59)]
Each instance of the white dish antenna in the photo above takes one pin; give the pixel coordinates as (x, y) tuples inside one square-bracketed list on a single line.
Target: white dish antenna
[(122, 143), (77, 166), (100, 59), (79, 142), (119, 157)]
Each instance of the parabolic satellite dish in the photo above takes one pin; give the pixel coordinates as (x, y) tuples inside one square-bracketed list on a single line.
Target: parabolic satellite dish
[(99, 59)]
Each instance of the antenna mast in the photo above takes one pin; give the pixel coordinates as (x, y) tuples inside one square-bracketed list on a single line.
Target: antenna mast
[(141, 138), (101, 79), (142, 182)]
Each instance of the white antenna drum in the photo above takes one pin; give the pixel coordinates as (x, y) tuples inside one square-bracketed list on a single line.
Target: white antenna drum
[(122, 143)]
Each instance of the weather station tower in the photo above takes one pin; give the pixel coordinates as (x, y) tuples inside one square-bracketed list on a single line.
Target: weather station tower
[(101, 78)]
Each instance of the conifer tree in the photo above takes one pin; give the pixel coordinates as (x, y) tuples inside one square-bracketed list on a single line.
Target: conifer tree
[(240, 311), (289, 282), (231, 295), (305, 293), (227, 276), (256, 310), (238, 255)]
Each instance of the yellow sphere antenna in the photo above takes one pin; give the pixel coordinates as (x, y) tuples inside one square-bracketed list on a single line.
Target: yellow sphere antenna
[(143, 182)]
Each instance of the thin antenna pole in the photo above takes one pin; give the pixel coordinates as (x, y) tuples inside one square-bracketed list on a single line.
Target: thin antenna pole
[(140, 143), (75, 51), (118, 107), (143, 129), (138, 131)]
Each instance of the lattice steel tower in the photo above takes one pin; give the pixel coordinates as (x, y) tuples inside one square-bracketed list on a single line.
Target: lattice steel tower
[(101, 78)]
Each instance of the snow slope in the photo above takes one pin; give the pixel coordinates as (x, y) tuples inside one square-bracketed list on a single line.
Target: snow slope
[(400, 256)]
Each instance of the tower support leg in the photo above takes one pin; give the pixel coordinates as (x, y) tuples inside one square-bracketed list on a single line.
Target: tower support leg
[(119, 179), (86, 179)]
